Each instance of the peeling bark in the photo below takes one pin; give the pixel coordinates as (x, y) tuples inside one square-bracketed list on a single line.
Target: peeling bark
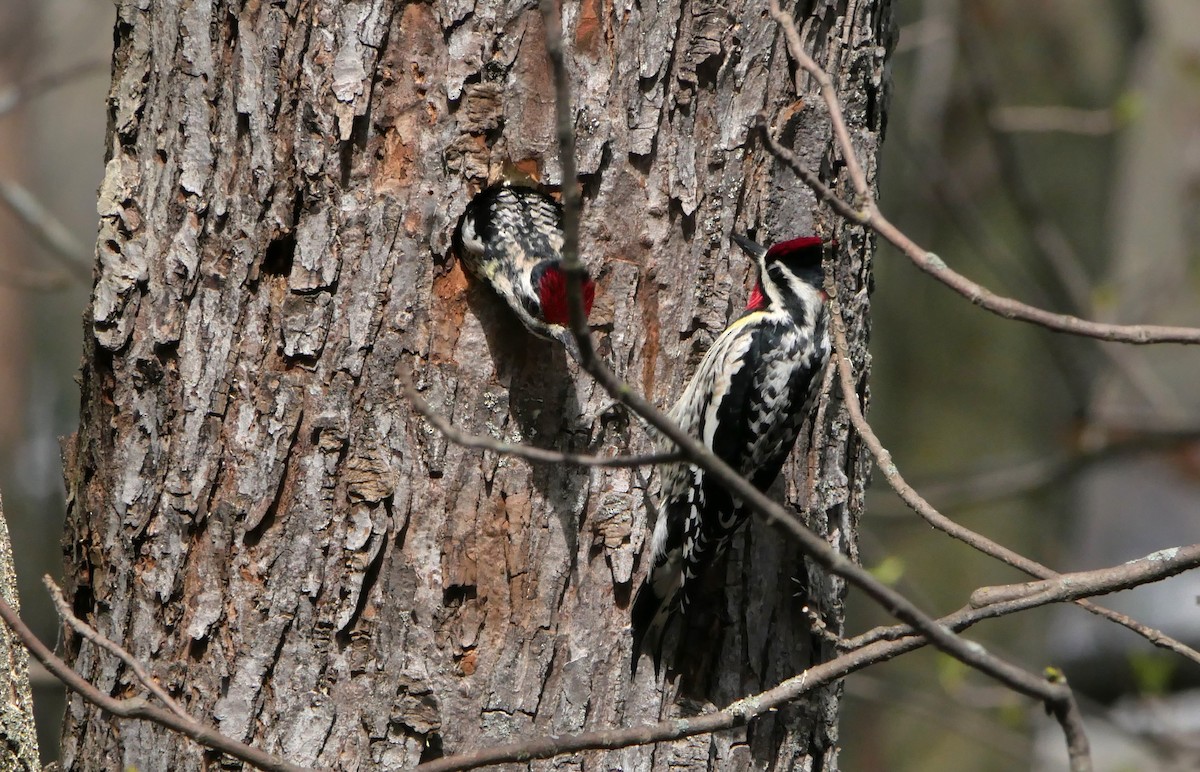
[(256, 510)]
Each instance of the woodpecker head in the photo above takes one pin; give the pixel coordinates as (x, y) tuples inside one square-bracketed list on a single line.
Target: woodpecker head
[(788, 272), (511, 238)]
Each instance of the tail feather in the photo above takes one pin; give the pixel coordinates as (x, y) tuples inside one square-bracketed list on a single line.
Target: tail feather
[(649, 617)]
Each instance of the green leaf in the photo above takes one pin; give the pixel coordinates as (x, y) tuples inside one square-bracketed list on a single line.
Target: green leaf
[(1152, 672), (1128, 108), (889, 570)]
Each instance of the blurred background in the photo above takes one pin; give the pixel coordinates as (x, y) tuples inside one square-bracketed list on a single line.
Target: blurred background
[(1049, 149), (54, 67)]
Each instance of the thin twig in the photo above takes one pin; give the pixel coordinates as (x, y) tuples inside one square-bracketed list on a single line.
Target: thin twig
[(1024, 478), (48, 229), (571, 194), (138, 707), (459, 437), (1141, 334), (90, 633), (1004, 600), (868, 214), (13, 96), (1052, 118), (1061, 704), (796, 48), (1134, 573)]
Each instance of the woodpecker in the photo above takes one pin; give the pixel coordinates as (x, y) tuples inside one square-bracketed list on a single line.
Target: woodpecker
[(745, 403), (511, 238)]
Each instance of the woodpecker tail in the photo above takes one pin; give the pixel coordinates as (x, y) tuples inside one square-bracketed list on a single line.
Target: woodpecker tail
[(649, 617), (647, 636)]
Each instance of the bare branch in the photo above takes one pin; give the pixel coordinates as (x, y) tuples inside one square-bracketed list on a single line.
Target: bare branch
[(736, 714), (49, 231), (858, 657), (1052, 118), (1134, 573), (12, 96), (887, 467), (36, 281), (571, 194), (870, 216), (1079, 752), (90, 633), (995, 602), (1062, 704), (139, 708), (829, 94), (1141, 334), (459, 437)]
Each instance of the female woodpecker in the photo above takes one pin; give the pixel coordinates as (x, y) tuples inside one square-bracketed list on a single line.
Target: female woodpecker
[(511, 237), (746, 403)]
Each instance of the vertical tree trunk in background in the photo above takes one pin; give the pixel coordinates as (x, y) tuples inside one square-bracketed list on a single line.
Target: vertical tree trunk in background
[(254, 506)]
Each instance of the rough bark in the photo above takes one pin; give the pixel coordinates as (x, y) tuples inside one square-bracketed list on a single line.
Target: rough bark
[(18, 736), (255, 508)]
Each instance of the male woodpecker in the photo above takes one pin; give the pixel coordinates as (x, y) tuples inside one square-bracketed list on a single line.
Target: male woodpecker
[(511, 237), (746, 404)]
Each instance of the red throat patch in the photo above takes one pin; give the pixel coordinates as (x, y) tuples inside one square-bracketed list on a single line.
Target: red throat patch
[(552, 293), (757, 299)]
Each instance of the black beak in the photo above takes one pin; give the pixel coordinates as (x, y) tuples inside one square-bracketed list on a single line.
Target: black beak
[(751, 248), (567, 339)]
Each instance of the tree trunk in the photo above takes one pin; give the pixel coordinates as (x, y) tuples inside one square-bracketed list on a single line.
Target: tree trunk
[(256, 509), (18, 735)]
